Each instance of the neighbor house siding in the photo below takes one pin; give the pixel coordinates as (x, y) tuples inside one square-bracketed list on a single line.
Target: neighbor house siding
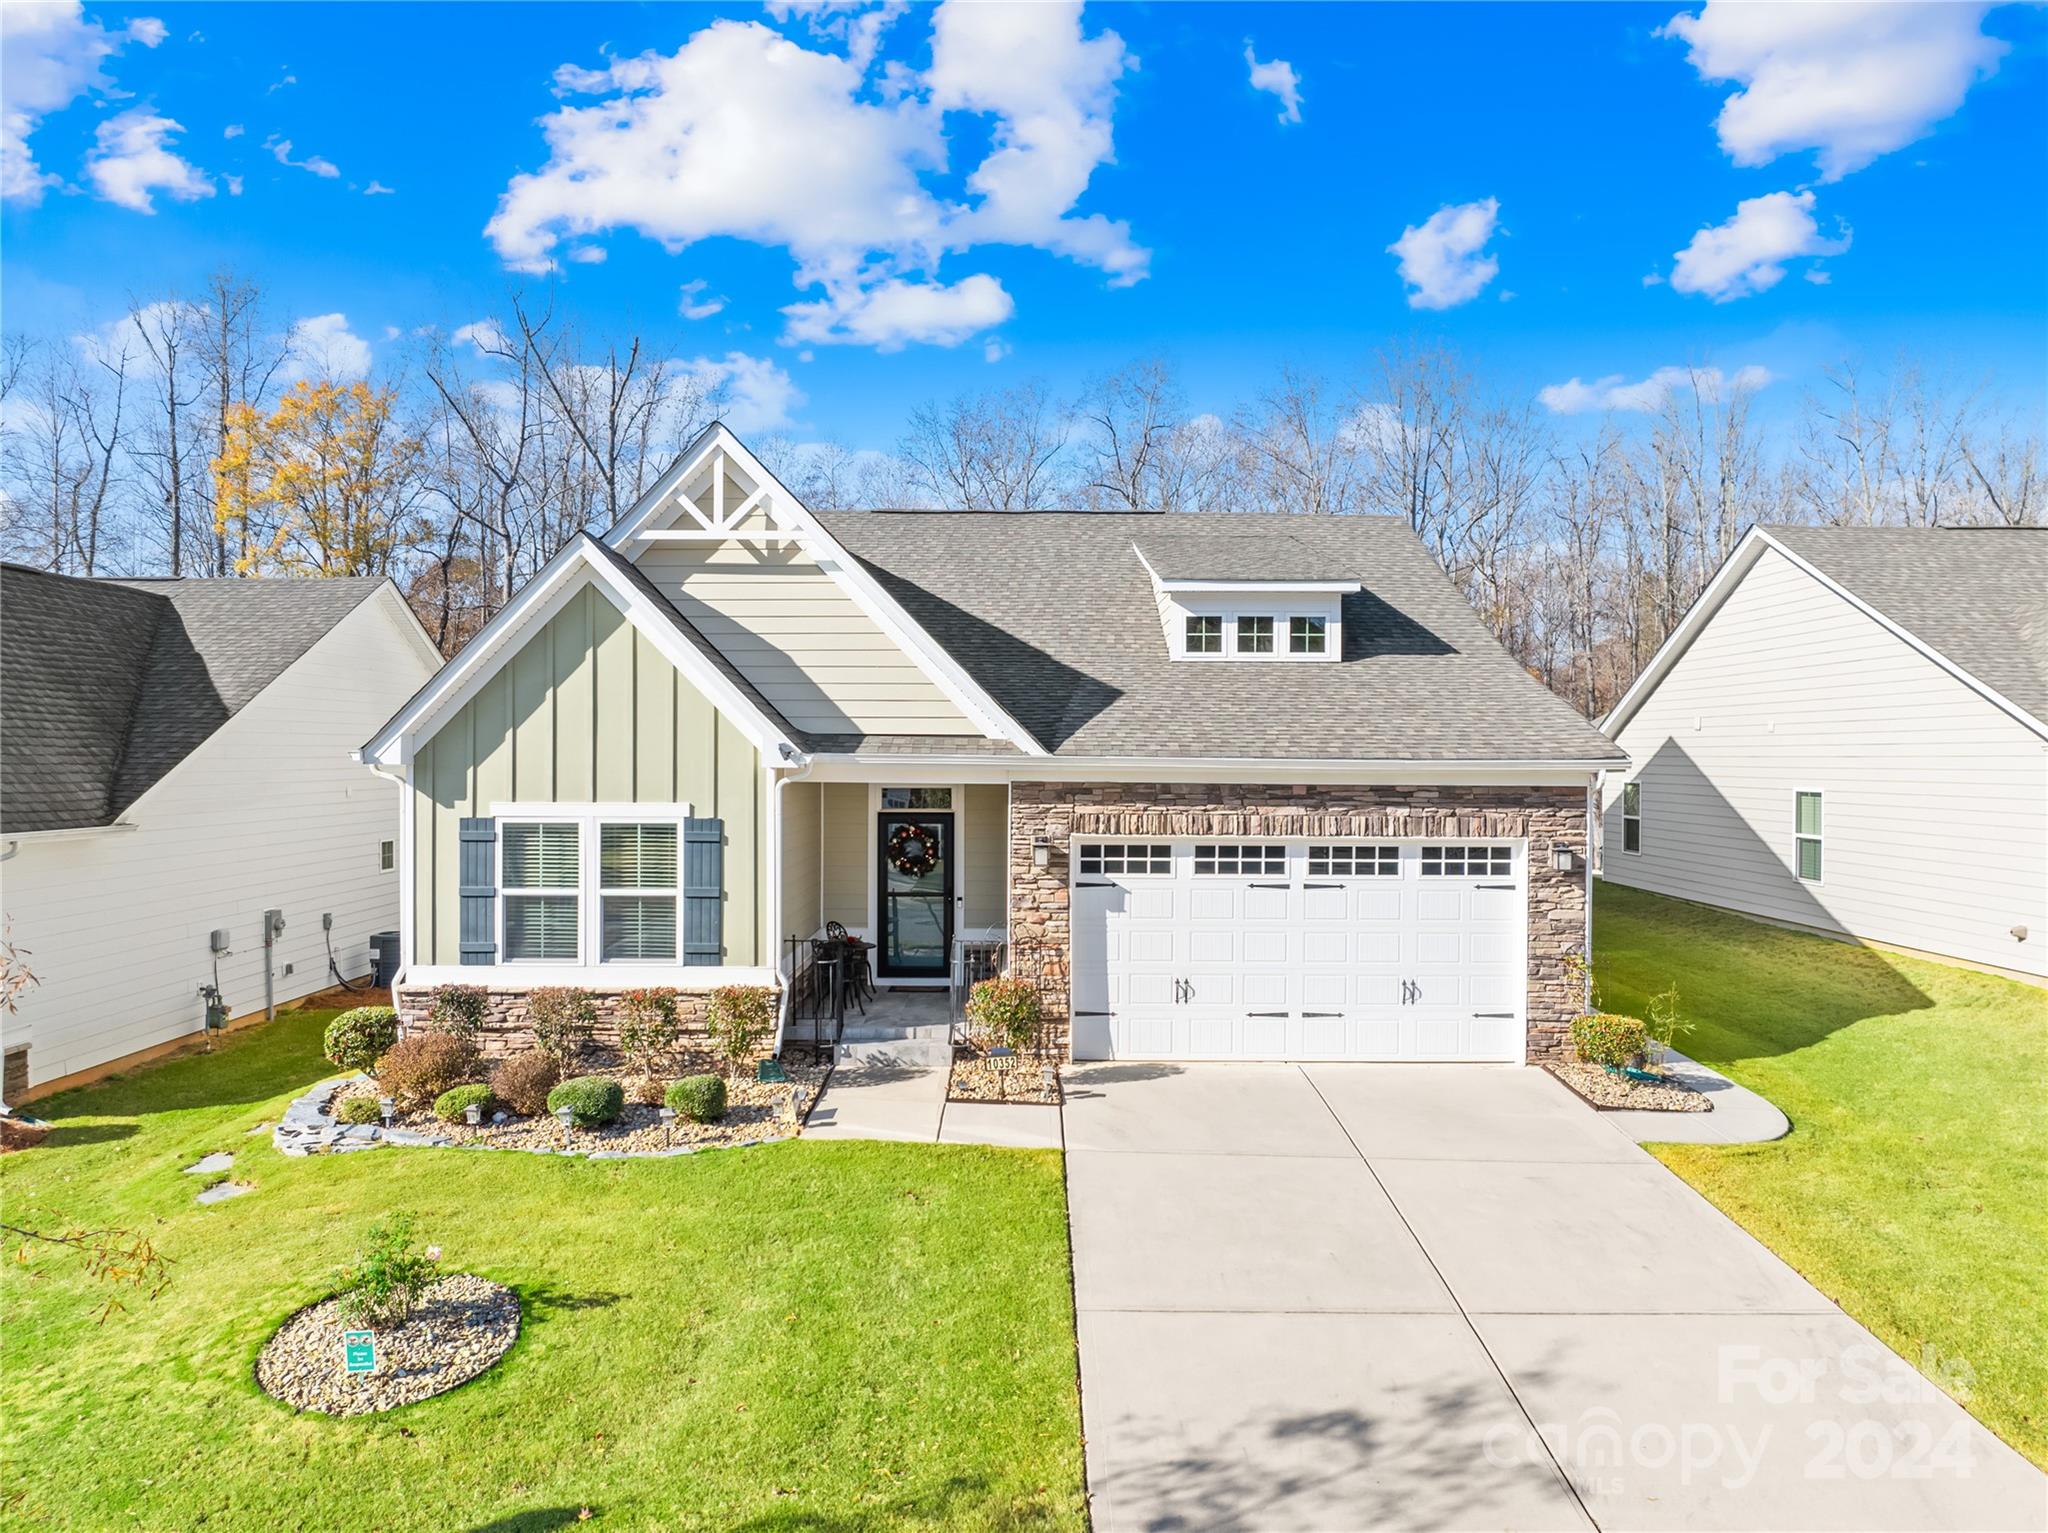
[(587, 711), (984, 836), (268, 813), (1935, 802), (848, 872), (791, 629), (801, 885)]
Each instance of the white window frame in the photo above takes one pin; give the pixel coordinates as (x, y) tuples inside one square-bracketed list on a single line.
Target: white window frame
[(1635, 819), (1818, 838), (1096, 853), (1378, 866), (1235, 852), (1188, 620), (1465, 846), (1281, 611), (387, 856), (1273, 622), (590, 891), (1322, 635)]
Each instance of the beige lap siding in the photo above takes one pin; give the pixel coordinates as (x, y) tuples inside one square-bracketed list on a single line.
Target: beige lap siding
[(1545, 817)]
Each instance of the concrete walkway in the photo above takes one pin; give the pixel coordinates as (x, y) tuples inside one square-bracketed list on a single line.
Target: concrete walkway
[(1740, 1116), (881, 1100), (1374, 1296)]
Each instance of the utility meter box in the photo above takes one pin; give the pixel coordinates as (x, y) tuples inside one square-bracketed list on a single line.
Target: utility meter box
[(218, 942)]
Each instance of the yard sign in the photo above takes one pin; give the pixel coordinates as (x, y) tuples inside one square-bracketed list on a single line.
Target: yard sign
[(359, 1351)]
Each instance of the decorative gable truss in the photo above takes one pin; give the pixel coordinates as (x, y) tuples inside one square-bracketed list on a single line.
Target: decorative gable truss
[(720, 524)]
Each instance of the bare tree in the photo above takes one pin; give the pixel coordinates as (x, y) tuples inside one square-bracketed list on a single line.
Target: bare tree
[(2009, 476), (238, 362), (1140, 450), (997, 451), (167, 450), (1298, 448)]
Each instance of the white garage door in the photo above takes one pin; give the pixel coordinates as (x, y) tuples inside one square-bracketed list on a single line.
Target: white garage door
[(1299, 950)]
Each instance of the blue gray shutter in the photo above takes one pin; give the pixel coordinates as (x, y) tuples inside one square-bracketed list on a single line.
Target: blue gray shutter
[(703, 891), (477, 877)]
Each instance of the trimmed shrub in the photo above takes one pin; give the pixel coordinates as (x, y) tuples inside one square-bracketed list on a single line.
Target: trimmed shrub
[(1006, 1011), (700, 1098), (740, 1019), (358, 1038), (1603, 1038), (644, 1089), (459, 1010), (387, 1278), (522, 1081), (418, 1069), (562, 1019), (359, 1110), (592, 1100), (450, 1105), (647, 1027)]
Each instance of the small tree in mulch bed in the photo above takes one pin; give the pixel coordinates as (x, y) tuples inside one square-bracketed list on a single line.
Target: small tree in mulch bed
[(387, 1277), (740, 1019), (647, 1028), (1007, 1012), (459, 1010), (562, 1020)]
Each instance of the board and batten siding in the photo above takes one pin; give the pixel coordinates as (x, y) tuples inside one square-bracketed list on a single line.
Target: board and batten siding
[(802, 900), (587, 711), (985, 836), (848, 874), (1935, 801), (267, 813), (792, 631)]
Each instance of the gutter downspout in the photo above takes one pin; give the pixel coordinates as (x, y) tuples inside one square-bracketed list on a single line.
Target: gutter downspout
[(802, 769), (403, 852)]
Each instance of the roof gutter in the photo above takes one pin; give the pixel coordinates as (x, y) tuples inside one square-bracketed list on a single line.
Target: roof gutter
[(14, 838)]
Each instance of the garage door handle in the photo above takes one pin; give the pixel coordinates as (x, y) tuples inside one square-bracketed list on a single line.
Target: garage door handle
[(1265, 1013), (1493, 886), (1322, 886), (1272, 886), (1322, 1014), (1504, 1016), (1093, 1014), (1094, 886)]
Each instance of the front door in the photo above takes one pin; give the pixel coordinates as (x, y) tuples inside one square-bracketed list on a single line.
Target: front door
[(914, 895)]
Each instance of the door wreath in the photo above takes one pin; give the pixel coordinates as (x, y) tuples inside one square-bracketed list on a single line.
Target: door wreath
[(912, 850)]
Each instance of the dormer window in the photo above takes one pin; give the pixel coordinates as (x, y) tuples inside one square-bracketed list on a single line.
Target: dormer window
[(1254, 635), (1205, 635), (1229, 597), (1307, 636)]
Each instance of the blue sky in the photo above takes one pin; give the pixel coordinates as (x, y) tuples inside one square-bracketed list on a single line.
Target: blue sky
[(1018, 193)]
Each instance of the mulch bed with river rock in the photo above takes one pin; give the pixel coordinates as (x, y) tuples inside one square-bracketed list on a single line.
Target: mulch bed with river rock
[(976, 1079), (460, 1326), (1611, 1093)]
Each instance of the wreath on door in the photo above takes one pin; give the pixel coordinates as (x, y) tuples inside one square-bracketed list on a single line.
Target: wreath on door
[(913, 850)]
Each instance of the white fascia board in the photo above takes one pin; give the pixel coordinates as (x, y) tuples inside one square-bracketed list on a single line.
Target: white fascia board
[(919, 770), (409, 621), (568, 573), (1277, 587), (1679, 640), (882, 609)]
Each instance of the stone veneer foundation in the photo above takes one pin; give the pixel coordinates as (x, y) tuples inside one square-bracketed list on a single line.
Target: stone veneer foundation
[(1544, 817), (505, 1029)]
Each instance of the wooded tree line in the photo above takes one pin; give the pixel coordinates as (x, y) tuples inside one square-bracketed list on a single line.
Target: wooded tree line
[(189, 438)]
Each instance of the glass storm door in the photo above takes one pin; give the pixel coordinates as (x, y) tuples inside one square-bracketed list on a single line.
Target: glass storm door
[(915, 894)]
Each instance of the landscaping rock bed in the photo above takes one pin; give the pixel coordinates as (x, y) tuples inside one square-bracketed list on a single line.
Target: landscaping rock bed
[(1611, 1093), (976, 1079), (460, 1327)]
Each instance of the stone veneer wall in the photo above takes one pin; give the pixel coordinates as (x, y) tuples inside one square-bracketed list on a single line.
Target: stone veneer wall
[(1057, 812), (505, 1030)]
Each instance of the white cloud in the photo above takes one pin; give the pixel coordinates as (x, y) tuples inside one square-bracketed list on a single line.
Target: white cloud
[(1443, 260), (377, 188), (323, 348), (892, 314), (694, 305), (50, 55), (281, 82), (1849, 81), (1614, 393), (1278, 77), (1819, 276), (486, 335), (281, 150), (233, 130), (587, 255), (233, 184), (859, 24), (755, 394), (1746, 254), (744, 133), (994, 349), (132, 160)]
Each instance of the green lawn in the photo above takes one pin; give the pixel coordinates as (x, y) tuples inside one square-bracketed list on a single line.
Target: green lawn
[(1913, 1188), (804, 1336)]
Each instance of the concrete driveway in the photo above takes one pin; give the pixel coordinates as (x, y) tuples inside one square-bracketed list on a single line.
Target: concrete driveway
[(1353, 1297)]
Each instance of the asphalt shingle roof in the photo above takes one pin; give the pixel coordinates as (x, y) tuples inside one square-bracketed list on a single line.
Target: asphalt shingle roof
[(106, 685), (1239, 555), (1978, 596), (1054, 615)]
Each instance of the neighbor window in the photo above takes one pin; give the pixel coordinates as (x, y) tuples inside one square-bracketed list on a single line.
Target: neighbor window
[(1806, 835), (1237, 861), (1354, 862), (1127, 857), (637, 884), (540, 873), (1255, 636), (917, 798), (1205, 635), (1305, 636), (387, 856), (1467, 861), (1631, 817)]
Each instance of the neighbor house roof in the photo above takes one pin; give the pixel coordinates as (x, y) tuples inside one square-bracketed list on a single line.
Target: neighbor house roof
[(106, 685), (1055, 616), (1977, 596)]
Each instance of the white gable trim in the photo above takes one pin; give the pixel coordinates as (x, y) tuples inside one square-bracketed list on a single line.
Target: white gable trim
[(576, 567), (1738, 564), (789, 513)]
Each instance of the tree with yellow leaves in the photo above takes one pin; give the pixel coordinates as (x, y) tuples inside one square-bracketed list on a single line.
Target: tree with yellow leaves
[(324, 485)]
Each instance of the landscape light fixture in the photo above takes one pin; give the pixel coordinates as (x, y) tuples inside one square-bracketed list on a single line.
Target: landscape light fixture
[(473, 1114), (568, 1118), (386, 1106), (668, 1123)]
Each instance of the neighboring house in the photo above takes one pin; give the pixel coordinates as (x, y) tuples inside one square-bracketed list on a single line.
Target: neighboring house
[(1847, 733), (175, 760), (1231, 786)]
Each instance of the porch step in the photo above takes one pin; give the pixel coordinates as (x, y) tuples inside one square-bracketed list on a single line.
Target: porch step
[(890, 1032), (902, 1053)]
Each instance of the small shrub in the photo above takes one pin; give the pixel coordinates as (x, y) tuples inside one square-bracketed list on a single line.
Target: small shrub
[(700, 1098), (387, 1277), (418, 1069), (522, 1081), (644, 1089), (1603, 1038), (359, 1110), (358, 1038), (740, 1019), (1665, 1022), (450, 1105), (1006, 1011), (647, 1027), (562, 1019), (459, 1010), (592, 1100)]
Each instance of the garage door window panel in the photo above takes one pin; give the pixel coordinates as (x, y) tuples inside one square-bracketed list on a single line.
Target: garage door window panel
[(1354, 862), (1467, 861), (1127, 858), (1229, 860)]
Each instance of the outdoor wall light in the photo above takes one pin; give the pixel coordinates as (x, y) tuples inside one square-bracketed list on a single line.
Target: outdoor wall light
[(1563, 858), (1041, 854)]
